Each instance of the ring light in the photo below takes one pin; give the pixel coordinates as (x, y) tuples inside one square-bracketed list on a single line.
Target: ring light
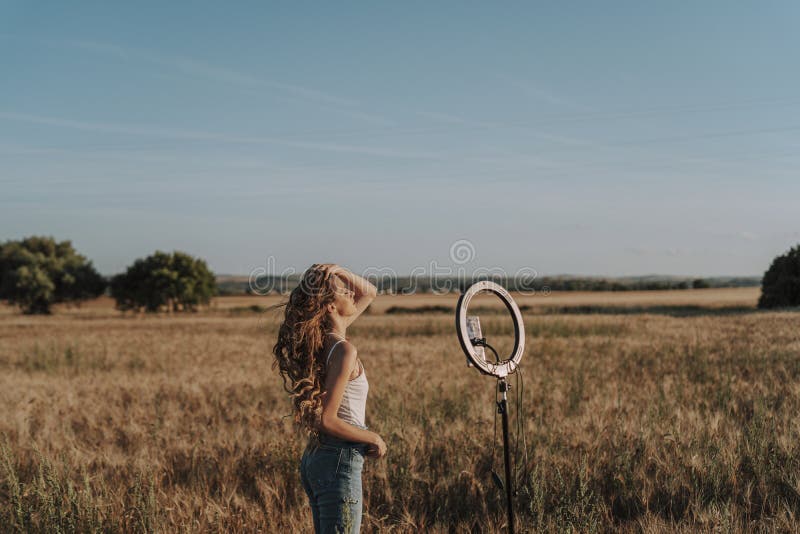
[(469, 331)]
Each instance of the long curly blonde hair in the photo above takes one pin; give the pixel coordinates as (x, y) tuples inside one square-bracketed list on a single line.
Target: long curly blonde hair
[(300, 342)]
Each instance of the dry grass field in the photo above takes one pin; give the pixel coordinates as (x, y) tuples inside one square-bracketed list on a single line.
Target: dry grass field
[(663, 411)]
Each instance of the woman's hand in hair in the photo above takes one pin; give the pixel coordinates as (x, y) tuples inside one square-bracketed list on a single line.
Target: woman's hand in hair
[(364, 292), (327, 268)]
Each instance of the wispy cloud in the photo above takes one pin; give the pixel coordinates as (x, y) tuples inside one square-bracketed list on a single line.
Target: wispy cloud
[(193, 67), (193, 135), (538, 92), (203, 69), (374, 151), (478, 124), (364, 116), (104, 127), (454, 119), (748, 236), (744, 235)]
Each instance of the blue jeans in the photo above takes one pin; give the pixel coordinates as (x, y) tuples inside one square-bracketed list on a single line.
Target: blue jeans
[(331, 476)]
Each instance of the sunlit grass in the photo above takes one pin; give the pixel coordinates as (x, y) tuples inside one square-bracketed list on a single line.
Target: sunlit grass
[(635, 421)]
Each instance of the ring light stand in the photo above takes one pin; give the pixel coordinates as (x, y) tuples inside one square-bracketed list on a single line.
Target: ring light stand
[(473, 345)]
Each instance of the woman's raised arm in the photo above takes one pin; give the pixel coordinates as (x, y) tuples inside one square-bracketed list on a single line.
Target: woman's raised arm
[(364, 291)]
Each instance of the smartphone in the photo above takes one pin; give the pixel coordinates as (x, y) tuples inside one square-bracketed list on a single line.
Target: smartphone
[(474, 332)]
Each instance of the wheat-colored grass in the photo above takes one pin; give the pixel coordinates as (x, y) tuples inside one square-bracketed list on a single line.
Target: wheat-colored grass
[(647, 412)]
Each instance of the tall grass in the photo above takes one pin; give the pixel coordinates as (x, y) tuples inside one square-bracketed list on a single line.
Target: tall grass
[(634, 422)]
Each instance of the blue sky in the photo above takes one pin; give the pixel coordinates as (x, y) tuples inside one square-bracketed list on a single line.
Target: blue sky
[(611, 138)]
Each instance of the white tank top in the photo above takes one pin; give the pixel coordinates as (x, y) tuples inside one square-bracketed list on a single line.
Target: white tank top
[(354, 401)]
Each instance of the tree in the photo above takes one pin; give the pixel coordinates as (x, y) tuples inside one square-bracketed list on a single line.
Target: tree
[(176, 282), (37, 272), (780, 286), (700, 283)]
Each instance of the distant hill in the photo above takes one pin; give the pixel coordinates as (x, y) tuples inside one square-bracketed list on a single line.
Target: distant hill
[(240, 284)]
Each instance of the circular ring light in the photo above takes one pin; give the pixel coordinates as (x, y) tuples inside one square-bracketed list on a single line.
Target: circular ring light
[(505, 367)]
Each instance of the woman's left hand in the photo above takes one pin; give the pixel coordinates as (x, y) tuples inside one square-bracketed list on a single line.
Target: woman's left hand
[(325, 267)]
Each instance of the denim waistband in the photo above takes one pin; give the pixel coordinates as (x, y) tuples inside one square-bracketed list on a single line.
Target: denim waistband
[(326, 439)]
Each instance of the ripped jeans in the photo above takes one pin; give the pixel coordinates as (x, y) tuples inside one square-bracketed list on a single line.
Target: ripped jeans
[(331, 476)]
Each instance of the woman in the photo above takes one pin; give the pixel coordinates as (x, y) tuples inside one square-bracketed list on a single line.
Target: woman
[(329, 387)]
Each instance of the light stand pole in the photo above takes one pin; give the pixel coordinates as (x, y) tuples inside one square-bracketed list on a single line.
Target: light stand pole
[(502, 409)]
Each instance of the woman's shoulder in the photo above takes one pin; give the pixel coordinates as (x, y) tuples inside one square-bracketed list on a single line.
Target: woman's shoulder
[(342, 349)]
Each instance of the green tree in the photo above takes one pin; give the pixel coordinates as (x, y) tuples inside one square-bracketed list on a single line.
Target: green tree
[(37, 272), (780, 287), (176, 282), (700, 283)]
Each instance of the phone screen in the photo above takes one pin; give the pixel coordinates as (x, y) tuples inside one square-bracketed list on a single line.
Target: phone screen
[(474, 332)]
